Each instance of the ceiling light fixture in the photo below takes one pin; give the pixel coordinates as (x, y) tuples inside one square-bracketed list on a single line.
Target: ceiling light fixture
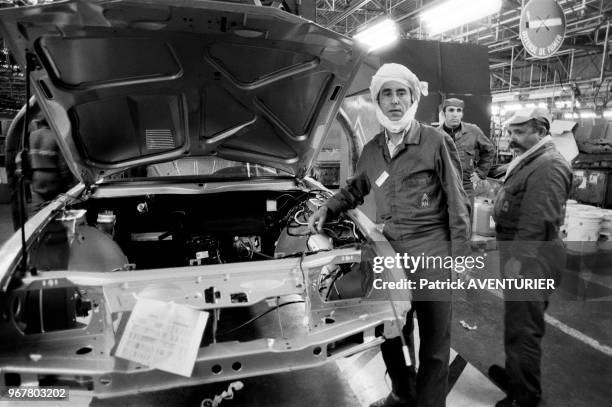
[(454, 13), (378, 35), (513, 107), (569, 116)]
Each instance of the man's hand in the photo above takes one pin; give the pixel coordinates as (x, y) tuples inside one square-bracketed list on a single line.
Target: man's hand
[(317, 220), (474, 178)]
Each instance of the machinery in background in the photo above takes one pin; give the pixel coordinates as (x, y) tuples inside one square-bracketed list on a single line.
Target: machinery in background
[(592, 168), (592, 182)]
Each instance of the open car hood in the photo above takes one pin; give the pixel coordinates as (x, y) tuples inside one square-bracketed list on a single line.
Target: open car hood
[(127, 83)]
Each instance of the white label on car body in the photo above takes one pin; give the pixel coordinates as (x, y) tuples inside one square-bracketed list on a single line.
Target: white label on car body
[(202, 255)]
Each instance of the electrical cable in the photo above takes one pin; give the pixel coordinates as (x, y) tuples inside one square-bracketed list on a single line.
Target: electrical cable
[(251, 251), (296, 234), (338, 274), (354, 228), (332, 233), (264, 255), (250, 321), (295, 217), (285, 204), (226, 395)]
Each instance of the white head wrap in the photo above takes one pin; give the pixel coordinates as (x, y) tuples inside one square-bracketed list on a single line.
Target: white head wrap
[(403, 75)]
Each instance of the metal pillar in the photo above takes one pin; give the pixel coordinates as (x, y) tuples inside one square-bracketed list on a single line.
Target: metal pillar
[(605, 53), (571, 69), (511, 66), (540, 85)]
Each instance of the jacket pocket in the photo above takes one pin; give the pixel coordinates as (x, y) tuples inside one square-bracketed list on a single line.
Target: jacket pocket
[(507, 206), (467, 161), (421, 179), (420, 190)]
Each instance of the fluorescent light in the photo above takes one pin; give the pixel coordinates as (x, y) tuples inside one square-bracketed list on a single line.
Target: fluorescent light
[(543, 105), (607, 114), (378, 35), (504, 97), (578, 104), (587, 114), (560, 104), (569, 115), (512, 107), (530, 105), (454, 13)]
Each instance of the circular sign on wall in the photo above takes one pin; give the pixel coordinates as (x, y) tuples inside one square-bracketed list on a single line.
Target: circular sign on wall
[(542, 28)]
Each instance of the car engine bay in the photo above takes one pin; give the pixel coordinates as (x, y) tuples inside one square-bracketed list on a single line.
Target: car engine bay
[(162, 231)]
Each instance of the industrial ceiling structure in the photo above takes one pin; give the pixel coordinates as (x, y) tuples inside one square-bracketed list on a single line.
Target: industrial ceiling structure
[(580, 70)]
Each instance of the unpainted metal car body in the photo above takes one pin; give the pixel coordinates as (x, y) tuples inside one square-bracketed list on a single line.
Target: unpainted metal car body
[(191, 127)]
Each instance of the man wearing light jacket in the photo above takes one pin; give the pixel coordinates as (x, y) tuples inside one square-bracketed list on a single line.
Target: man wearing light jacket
[(412, 170), (529, 209), (476, 151)]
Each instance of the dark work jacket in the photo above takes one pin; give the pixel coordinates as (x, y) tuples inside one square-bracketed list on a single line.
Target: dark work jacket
[(530, 207), (50, 173), (422, 199), (476, 153)]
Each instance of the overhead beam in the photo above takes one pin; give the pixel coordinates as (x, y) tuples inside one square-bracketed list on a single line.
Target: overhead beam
[(331, 23)]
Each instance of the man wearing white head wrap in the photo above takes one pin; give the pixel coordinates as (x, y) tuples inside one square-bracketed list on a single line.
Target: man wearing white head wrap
[(411, 169), (401, 75)]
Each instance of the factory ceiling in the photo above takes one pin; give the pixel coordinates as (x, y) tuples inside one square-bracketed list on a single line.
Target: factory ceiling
[(580, 63), (581, 66)]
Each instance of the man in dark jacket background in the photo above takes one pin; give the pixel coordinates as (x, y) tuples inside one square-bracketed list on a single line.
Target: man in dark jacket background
[(412, 170), (476, 151), (529, 209), (49, 172)]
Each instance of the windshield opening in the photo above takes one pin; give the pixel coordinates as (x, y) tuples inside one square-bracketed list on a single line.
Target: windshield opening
[(209, 167)]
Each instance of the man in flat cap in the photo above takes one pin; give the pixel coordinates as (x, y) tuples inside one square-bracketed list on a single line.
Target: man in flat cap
[(412, 170), (476, 151), (528, 211)]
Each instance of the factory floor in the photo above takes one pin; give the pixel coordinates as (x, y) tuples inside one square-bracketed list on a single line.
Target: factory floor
[(576, 366)]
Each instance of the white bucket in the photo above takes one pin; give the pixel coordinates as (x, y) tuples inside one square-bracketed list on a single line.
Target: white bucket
[(583, 228), (606, 224), (571, 207)]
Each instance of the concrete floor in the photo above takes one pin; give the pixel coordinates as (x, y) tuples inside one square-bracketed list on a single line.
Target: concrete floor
[(577, 362)]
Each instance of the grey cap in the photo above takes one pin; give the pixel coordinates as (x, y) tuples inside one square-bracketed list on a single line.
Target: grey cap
[(531, 113)]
